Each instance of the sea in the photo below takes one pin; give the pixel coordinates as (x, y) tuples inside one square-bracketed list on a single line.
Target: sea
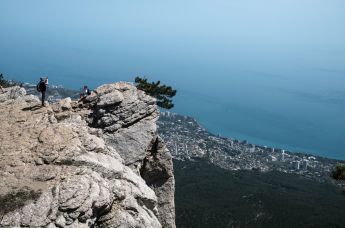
[(269, 72)]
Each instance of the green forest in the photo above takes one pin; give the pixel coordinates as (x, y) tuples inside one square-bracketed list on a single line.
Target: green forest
[(208, 196)]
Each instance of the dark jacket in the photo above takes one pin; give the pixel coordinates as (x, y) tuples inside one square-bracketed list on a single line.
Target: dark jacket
[(43, 86)]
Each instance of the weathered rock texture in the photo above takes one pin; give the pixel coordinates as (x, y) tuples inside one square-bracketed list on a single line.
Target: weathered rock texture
[(99, 163)]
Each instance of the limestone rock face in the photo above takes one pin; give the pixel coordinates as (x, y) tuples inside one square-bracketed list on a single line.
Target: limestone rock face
[(157, 171), (12, 93), (99, 163)]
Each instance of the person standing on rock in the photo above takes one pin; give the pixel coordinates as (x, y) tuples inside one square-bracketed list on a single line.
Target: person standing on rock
[(1, 89), (42, 87)]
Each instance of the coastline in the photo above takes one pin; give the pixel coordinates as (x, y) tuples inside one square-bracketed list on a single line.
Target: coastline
[(57, 92), (188, 140)]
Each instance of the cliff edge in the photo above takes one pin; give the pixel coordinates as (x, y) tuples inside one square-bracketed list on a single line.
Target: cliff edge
[(99, 163)]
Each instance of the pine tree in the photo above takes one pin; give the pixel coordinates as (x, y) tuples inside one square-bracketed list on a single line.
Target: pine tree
[(3, 82), (339, 172), (162, 93)]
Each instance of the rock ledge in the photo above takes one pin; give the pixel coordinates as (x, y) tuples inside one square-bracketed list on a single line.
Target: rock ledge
[(99, 163)]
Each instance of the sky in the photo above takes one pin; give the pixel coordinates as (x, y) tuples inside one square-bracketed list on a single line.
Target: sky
[(251, 34), (271, 71)]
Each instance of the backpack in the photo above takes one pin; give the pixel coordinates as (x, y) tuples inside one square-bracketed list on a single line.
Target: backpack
[(38, 87)]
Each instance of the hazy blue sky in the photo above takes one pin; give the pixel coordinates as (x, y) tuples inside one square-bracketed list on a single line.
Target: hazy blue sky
[(268, 70), (133, 37)]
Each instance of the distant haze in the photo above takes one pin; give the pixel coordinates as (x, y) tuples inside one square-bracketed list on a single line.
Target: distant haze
[(269, 71)]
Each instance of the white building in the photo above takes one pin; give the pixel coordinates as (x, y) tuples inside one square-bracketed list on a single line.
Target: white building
[(283, 155)]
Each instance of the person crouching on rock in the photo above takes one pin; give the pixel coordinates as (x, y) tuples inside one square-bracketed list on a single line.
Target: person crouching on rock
[(42, 87), (86, 92)]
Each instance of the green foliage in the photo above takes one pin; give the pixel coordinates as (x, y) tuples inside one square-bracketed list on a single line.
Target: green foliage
[(208, 196), (339, 172), (7, 83), (3, 82), (162, 93)]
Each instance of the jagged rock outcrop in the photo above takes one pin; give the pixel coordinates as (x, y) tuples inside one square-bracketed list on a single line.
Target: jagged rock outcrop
[(99, 163), (157, 170)]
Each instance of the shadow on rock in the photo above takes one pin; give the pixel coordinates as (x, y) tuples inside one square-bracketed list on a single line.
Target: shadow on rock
[(32, 108)]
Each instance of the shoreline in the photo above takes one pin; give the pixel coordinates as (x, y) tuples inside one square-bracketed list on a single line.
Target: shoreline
[(187, 139), (249, 142), (55, 95)]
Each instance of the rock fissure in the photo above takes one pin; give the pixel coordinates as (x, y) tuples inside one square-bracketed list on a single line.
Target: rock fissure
[(137, 120)]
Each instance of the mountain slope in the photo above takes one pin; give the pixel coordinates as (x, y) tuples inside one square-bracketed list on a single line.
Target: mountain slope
[(208, 196)]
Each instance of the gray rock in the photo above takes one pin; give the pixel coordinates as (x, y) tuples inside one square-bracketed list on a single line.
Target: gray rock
[(12, 93), (62, 105), (108, 99), (157, 171), (83, 165)]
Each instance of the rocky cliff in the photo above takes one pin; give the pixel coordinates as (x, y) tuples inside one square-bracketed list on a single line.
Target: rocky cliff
[(99, 163)]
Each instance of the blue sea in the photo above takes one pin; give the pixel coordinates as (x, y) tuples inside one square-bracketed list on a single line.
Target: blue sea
[(270, 72)]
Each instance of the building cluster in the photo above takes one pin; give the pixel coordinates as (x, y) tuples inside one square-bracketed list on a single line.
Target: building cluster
[(186, 139)]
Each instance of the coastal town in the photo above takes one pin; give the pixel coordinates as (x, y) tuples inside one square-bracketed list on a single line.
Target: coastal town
[(187, 139)]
